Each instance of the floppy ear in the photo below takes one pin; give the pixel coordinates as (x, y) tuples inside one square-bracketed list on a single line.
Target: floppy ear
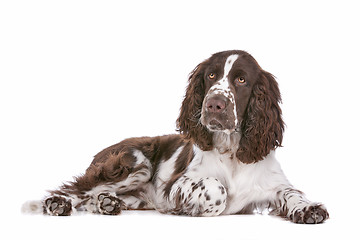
[(188, 122), (262, 127)]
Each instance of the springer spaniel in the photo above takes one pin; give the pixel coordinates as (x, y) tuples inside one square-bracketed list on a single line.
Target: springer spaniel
[(222, 162)]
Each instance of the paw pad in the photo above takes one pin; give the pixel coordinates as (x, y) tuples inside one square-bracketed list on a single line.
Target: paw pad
[(57, 206), (109, 205), (312, 214)]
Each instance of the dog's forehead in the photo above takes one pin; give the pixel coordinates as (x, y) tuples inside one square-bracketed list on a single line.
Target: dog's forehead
[(222, 82), (229, 62), (222, 86), (219, 60), (235, 60), (248, 64), (218, 63)]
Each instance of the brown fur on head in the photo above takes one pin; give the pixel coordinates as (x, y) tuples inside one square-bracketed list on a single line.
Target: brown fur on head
[(257, 106), (188, 122), (262, 127)]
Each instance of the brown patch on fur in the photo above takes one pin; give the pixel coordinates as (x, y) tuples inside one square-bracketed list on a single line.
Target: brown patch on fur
[(262, 127), (116, 168), (181, 164), (115, 163), (188, 122)]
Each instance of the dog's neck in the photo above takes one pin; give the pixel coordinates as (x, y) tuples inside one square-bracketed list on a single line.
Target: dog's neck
[(226, 142)]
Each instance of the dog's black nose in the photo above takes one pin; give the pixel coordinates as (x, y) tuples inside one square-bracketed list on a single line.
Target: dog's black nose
[(215, 104)]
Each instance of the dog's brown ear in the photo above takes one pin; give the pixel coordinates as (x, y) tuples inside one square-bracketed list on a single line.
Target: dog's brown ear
[(262, 127), (188, 122)]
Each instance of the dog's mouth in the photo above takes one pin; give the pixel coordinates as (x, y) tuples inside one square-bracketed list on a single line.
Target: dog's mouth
[(218, 115), (217, 125)]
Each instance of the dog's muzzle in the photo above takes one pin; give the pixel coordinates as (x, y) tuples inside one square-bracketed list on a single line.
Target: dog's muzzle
[(218, 113)]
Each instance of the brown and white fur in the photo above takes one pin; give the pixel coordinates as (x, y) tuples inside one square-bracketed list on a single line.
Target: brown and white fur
[(222, 162)]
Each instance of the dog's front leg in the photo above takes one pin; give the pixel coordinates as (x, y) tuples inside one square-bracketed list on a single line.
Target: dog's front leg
[(293, 205), (202, 196)]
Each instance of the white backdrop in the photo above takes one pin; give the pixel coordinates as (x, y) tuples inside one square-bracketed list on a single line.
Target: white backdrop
[(78, 76)]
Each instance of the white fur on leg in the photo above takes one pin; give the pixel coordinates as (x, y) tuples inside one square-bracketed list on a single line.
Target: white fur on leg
[(198, 197), (32, 207)]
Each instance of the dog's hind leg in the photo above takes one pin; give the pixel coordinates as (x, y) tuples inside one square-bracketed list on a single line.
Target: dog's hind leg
[(115, 173)]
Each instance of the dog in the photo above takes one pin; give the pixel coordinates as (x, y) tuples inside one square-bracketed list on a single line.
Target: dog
[(221, 162)]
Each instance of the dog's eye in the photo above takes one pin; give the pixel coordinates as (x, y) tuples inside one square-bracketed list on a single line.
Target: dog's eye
[(240, 80), (211, 76)]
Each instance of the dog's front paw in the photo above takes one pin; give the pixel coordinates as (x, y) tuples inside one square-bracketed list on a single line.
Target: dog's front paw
[(311, 214)]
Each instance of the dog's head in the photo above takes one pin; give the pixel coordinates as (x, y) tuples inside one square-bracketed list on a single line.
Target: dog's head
[(231, 94)]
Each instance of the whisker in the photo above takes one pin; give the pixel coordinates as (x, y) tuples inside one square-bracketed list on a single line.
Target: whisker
[(196, 116)]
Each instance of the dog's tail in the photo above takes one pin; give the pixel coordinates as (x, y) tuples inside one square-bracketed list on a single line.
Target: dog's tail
[(32, 207)]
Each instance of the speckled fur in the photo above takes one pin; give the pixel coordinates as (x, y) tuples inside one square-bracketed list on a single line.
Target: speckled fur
[(222, 162)]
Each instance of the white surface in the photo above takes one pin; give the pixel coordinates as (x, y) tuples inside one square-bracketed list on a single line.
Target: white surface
[(78, 76), (152, 225)]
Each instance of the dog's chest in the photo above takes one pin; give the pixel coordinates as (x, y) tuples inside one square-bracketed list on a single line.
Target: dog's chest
[(244, 183)]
